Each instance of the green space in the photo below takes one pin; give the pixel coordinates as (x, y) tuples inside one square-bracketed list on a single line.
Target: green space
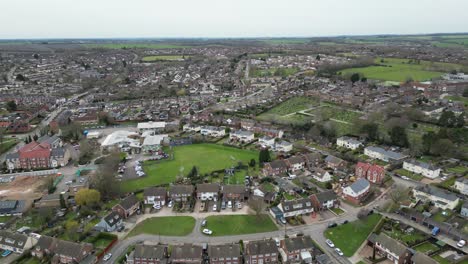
[(165, 58), (458, 169), (6, 145), (4, 219), (284, 41), (442, 216), (165, 226), (414, 176), (206, 157), (282, 72), (462, 99), (290, 106), (401, 70), (441, 260), (407, 238), (449, 182), (350, 236), (426, 247), (137, 46), (337, 210), (225, 225)]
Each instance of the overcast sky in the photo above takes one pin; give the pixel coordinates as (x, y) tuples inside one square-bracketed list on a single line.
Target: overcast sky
[(227, 18)]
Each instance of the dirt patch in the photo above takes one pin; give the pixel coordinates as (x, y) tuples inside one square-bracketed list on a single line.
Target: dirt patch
[(24, 188)]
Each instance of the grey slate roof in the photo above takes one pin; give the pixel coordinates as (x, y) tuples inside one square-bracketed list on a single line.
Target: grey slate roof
[(150, 252), (434, 191), (236, 189), (186, 251), (301, 204), (181, 189), (359, 185), (326, 196), (298, 243), (387, 242), (332, 159), (57, 152), (224, 251), (261, 247), (12, 156), (129, 201), (112, 218), (208, 187), (155, 191), (422, 164), (13, 239), (67, 248)]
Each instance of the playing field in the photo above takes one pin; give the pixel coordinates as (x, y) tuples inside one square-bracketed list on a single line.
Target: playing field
[(165, 58), (207, 157), (225, 225), (401, 70)]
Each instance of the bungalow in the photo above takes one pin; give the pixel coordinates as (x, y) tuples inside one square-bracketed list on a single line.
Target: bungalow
[(298, 249), (263, 251), (283, 146), (321, 175), (208, 191), (148, 254), (191, 128), (242, 136), (266, 142), (425, 169), (233, 192), (384, 155), (110, 222), (356, 191), (155, 195), (225, 254), (324, 200), (186, 254), (373, 173), (386, 246), (275, 167), (295, 163), (212, 131), (181, 193), (441, 198), (296, 207), (15, 242), (127, 207), (348, 142), (462, 185), (334, 162)]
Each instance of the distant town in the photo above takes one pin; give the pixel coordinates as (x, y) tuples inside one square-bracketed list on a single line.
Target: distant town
[(229, 151)]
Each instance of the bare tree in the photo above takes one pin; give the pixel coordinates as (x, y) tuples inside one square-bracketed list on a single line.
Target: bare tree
[(398, 194), (258, 206)]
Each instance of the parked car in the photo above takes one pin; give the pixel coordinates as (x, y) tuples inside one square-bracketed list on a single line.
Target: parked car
[(461, 243), (6, 253), (120, 228), (239, 205), (107, 256), (215, 207), (170, 204), (330, 243), (229, 206), (332, 224), (207, 231), (223, 205), (339, 251), (157, 207), (283, 220), (344, 222), (277, 241), (203, 223)]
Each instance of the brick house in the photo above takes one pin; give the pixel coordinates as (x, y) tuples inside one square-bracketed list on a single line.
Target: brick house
[(127, 207), (208, 191), (294, 249), (357, 191), (148, 254), (373, 173), (262, 251), (186, 254), (295, 163), (324, 200), (276, 167), (37, 156), (181, 193), (225, 254), (233, 192), (61, 250)]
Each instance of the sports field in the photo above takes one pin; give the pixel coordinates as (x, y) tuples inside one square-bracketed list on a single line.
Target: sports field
[(207, 158), (400, 70), (165, 58)]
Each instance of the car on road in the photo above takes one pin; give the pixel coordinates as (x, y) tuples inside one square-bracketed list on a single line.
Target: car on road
[(461, 243), (332, 224), (203, 223), (215, 207), (6, 253), (405, 178), (339, 252), (107, 256), (207, 231), (330, 243)]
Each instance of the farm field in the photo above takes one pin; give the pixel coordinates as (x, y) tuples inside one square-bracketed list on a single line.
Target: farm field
[(165, 58), (137, 46), (401, 70), (225, 225), (164, 226), (207, 158)]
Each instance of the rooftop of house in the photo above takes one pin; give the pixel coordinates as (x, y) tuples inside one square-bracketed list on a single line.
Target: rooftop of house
[(359, 185), (298, 243), (180, 189), (261, 247), (155, 191), (208, 187), (150, 251), (437, 192), (224, 251)]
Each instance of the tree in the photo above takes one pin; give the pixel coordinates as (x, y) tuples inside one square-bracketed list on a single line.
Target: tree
[(442, 146), (71, 228), (447, 119), (372, 131), (252, 163), (104, 181), (355, 77), (398, 194), (258, 206), (62, 202), (264, 156), (193, 175), (86, 152), (50, 185), (398, 136), (318, 57), (35, 137), (11, 106), (460, 120), (465, 92), (87, 197), (427, 140)]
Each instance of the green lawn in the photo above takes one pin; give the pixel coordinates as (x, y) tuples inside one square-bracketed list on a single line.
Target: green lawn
[(400, 70), (290, 106), (414, 176), (4, 219), (225, 225), (165, 226), (7, 144), (407, 238), (282, 72), (458, 99), (337, 210), (458, 169), (207, 157), (165, 58), (350, 236), (426, 247)]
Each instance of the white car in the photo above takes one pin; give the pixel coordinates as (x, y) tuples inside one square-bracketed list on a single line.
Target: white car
[(461, 243), (170, 204), (107, 256), (229, 204), (206, 231), (330, 243), (404, 178), (157, 207), (215, 207), (339, 251)]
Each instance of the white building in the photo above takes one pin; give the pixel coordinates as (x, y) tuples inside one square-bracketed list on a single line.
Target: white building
[(382, 154), (157, 127), (121, 139), (191, 128), (296, 207), (462, 185), (321, 175), (425, 169), (441, 198), (213, 131), (348, 142), (283, 146), (153, 143), (242, 135), (266, 142)]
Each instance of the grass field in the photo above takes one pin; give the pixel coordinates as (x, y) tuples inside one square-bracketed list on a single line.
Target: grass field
[(409, 174), (165, 226), (281, 41), (441, 260), (207, 157), (225, 225), (137, 46), (292, 105), (6, 145), (350, 236), (401, 70), (458, 169), (165, 58), (282, 72)]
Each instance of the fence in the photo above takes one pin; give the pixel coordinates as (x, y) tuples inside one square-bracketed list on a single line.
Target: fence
[(30, 173)]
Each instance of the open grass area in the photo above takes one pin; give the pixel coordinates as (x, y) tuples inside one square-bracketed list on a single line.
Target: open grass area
[(414, 176), (165, 58), (206, 157), (282, 72), (137, 46), (4, 219), (458, 169), (283, 41), (165, 226), (402, 69), (426, 247), (350, 236), (458, 99), (292, 105), (7, 144), (225, 225)]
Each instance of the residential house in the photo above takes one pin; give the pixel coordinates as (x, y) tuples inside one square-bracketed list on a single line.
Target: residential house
[(276, 167), (12, 207), (324, 259), (373, 173), (181, 193), (233, 192), (296, 207), (54, 141), (155, 195), (321, 175), (266, 142), (425, 169), (37, 156), (109, 223), (348, 142), (357, 191), (283, 146), (384, 155), (324, 200), (148, 254), (334, 162), (213, 131), (263, 251), (390, 248), (264, 191), (312, 160), (208, 191), (186, 254), (15, 242), (68, 252), (242, 136), (461, 185), (298, 249), (295, 163), (464, 209), (127, 207), (441, 198), (191, 128), (225, 254)]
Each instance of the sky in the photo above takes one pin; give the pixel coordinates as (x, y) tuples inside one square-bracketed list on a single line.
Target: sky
[(21, 19)]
